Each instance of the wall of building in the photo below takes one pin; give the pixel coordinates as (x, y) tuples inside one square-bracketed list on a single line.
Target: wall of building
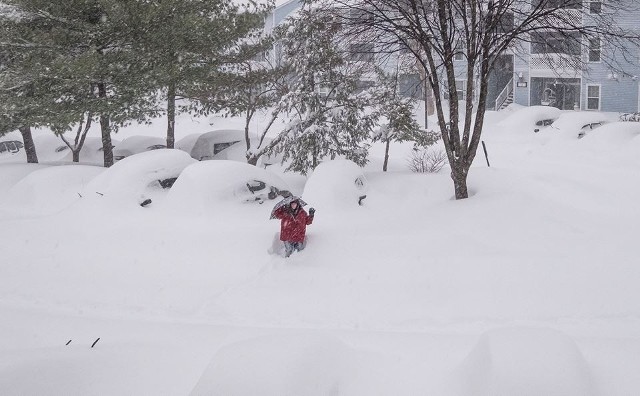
[(618, 74)]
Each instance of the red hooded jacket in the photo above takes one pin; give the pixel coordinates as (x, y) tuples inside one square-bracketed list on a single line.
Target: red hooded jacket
[(293, 225)]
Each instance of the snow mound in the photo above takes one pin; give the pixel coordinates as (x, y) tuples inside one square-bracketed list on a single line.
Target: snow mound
[(136, 178), (11, 173), (573, 121), (187, 142), (337, 184), (212, 185), (524, 119), (524, 361), (50, 190), (277, 365), (615, 133), (138, 144)]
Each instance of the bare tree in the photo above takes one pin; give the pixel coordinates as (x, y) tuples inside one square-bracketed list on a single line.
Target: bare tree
[(81, 135), (480, 31)]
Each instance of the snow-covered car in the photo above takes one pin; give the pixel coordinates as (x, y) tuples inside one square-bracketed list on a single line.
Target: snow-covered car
[(213, 184), (589, 127), (186, 143), (211, 145), (336, 183), (580, 123), (10, 146), (49, 189), (534, 117), (139, 179), (137, 144), (224, 144)]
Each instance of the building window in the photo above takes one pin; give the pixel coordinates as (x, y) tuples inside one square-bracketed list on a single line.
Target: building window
[(556, 43), (459, 48), (553, 4), (506, 23), (461, 86), (361, 52), (562, 93), (593, 97), (404, 49), (595, 50), (595, 7), (362, 16)]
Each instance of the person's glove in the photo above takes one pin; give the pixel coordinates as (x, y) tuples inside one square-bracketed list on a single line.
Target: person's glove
[(312, 212)]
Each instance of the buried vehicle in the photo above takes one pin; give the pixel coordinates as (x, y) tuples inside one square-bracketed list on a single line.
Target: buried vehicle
[(580, 123), (534, 117), (224, 144), (140, 179), (137, 144), (11, 146), (210, 145), (214, 184), (337, 183)]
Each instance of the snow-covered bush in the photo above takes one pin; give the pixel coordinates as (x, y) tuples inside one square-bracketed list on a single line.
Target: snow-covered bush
[(424, 160), (632, 117)]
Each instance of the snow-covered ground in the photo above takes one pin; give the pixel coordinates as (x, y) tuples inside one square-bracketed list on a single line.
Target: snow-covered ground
[(529, 287)]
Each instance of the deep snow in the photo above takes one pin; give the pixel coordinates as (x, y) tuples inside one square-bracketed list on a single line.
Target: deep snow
[(528, 287)]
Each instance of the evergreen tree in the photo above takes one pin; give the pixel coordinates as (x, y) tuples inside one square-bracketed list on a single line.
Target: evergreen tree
[(188, 42), (20, 80), (397, 115), (246, 89), (326, 110), (80, 53)]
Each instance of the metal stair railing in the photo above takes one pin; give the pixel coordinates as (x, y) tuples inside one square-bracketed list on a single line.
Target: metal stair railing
[(502, 97)]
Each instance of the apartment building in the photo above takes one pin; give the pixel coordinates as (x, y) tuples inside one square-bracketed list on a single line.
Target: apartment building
[(549, 69)]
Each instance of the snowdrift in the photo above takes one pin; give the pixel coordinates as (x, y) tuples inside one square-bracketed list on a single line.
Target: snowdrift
[(12, 173), (51, 189), (524, 361), (303, 364)]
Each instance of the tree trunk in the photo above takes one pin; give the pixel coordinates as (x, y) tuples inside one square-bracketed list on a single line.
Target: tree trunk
[(386, 155), (171, 115), (105, 127), (459, 176), (253, 160), (76, 155), (29, 146)]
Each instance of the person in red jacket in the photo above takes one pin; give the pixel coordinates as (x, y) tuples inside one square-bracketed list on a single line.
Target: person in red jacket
[(293, 225)]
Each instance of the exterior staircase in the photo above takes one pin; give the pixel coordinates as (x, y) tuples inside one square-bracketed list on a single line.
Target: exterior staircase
[(506, 102), (505, 98)]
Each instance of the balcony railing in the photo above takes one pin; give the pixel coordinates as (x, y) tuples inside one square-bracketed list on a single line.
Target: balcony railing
[(556, 64)]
